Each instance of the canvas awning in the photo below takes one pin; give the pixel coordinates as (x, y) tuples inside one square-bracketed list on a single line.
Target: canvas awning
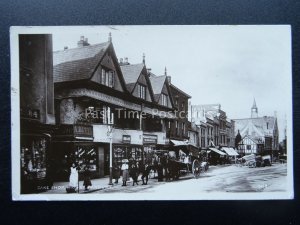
[(179, 143), (230, 151), (217, 151)]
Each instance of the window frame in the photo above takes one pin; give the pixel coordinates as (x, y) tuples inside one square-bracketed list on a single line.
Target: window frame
[(164, 99), (141, 91)]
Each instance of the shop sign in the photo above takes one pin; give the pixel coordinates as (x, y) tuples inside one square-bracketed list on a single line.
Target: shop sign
[(83, 130), (78, 130), (126, 139), (150, 139)]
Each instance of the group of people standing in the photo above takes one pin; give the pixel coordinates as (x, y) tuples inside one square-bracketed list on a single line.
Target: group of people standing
[(74, 178), (126, 170), (133, 170)]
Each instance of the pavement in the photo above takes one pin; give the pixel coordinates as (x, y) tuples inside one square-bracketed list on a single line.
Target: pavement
[(103, 184)]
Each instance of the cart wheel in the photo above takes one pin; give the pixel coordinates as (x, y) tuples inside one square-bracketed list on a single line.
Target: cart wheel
[(196, 168)]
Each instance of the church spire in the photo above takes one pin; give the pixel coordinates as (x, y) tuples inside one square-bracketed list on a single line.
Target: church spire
[(254, 110)]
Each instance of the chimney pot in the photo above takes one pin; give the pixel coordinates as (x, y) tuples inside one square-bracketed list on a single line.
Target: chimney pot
[(66, 47), (81, 38)]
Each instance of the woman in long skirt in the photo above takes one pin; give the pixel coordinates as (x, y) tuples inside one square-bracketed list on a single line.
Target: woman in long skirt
[(73, 180)]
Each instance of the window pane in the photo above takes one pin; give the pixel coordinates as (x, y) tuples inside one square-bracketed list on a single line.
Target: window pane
[(107, 77), (110, 82), (103, 77)]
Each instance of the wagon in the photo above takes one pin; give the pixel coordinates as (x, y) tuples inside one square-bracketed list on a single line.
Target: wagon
[(175, 166)]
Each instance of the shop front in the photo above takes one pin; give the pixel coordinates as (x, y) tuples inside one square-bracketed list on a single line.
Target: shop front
[(149, 145), (74, 144), (127, 150), (35, 156)]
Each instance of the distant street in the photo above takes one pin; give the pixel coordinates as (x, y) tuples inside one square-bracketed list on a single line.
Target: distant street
[(217, 179)]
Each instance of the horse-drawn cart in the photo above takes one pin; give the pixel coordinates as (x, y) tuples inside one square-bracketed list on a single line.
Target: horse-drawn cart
[(176, 165)]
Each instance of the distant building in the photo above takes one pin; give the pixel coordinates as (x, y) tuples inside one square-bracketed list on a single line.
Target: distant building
[(214, 128), (259, 135)]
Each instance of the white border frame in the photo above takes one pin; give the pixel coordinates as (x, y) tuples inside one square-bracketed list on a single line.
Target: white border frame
[(15, 137)]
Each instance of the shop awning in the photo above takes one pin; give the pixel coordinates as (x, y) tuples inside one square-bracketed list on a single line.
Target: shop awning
[(230, 151), (179, 143), (217, 151)]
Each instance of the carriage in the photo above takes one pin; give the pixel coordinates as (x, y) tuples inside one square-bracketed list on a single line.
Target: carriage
[(174, 165)]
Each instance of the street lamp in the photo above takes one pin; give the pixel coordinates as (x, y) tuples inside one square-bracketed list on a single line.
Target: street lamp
[(110, 123)]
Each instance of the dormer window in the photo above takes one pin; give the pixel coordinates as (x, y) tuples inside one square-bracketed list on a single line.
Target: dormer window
[(164, 100), (107, 78), (142, 91)]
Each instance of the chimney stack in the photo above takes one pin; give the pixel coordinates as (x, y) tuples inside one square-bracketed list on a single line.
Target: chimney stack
[(148, 71), (66, 47), (121, 61), (82, 42), (126, 61)]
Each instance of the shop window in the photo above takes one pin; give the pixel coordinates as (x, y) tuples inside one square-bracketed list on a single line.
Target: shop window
[(125, 152), (33, 158), (86, 156)]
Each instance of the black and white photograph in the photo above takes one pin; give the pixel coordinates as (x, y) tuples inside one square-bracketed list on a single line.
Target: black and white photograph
[(181, 112)]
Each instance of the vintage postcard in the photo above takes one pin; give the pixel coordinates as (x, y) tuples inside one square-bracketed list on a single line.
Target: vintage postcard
[(151, 112)]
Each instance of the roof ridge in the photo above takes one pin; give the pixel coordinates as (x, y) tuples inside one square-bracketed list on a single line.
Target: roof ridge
[(137, 64), (83, 47)]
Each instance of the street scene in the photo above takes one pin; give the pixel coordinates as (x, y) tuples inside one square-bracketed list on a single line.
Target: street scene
[(228, 178), (108, 111)]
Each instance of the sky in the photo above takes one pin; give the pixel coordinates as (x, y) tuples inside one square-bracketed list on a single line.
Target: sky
[(227, 65)]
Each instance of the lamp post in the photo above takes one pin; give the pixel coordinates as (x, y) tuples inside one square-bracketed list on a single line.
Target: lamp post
[(110, 123)]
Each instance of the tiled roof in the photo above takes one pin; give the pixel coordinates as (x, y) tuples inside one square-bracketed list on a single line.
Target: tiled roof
[(182, 92), (77, 63), (131, 74), (260, 126), (157, 83)]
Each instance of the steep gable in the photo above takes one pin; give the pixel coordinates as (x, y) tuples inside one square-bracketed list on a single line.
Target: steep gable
[(160, 88), (86, 63), (135, 75), (77, 63)]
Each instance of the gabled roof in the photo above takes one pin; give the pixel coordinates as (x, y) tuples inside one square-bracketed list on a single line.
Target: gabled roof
[(157, 83), (256, 140), (261, 125), (77, 63), (131, 74)]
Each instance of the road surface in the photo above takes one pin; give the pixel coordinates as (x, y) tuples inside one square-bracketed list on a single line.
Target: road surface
[(218, 179)]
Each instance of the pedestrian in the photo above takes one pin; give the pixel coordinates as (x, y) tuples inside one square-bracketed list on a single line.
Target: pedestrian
[(124, 169), (134, 173), (116, 173), (159, 172), (73, 179), (87, 178), (145, 173)]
